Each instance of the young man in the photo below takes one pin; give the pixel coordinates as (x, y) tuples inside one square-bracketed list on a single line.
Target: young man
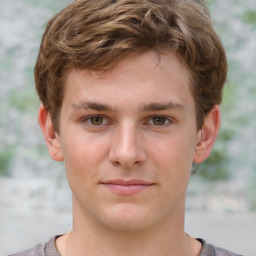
[(130, 93)]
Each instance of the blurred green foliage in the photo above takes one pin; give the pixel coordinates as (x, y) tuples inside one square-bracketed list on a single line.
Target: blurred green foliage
[(24, 100), (8, 62), (216, 166), (250, 17), (252, 190), (54, 6), (213, 168), (6, 155)]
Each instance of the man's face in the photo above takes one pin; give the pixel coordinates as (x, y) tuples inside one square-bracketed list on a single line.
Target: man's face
[(128, 139)]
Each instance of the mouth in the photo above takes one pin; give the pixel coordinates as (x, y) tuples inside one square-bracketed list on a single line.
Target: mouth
[(127, 187)]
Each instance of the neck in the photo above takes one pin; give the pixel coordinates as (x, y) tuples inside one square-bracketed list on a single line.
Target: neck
[(166, 238)]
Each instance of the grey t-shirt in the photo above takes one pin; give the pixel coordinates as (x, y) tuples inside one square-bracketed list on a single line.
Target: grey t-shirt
[(49, 249)]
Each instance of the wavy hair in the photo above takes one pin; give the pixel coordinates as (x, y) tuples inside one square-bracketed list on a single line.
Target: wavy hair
[(96, 35)]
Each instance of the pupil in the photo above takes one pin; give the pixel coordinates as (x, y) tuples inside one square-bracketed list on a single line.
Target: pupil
[(97, 120), (159, 120)]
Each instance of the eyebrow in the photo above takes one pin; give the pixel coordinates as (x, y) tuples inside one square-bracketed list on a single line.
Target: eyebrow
[(92, 105), (161, 106), (154, 106)]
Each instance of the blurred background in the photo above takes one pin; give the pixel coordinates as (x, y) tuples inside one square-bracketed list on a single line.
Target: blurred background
[(35, 201)]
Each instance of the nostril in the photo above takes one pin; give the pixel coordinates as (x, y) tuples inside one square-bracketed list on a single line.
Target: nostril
[(116, 163)]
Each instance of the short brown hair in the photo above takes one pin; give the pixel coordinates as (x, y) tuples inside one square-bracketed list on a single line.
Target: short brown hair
[(95, 35)]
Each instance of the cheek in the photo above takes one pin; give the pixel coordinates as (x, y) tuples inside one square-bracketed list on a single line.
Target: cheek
[(173, 159), (175, 149), (82, 156)]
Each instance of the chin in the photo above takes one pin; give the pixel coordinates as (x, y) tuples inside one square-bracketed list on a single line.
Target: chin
[(127, 217)]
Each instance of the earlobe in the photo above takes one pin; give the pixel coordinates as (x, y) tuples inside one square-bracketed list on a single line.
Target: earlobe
[(208, 135), (50, 135)]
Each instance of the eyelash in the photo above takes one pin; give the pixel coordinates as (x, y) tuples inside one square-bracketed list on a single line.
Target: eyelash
[(150, 121), (167, 121), (88, 120)]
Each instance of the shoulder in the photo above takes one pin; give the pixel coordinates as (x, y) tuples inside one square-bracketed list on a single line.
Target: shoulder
[(30, 252), (43, 249), (37, 251), (211, 250), (223, 252)]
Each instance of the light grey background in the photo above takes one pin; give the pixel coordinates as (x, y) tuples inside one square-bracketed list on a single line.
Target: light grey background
[(35, 202)]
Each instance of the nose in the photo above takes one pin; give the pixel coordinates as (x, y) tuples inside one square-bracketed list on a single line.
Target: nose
[(127, 148)]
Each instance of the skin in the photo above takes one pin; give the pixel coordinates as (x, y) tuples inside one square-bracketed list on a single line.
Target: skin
[(135, 124)]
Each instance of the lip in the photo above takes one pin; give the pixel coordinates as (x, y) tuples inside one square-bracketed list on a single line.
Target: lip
[(127, 187)]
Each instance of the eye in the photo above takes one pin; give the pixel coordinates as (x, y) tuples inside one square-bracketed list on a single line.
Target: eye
[(159, 120), (96, 120)]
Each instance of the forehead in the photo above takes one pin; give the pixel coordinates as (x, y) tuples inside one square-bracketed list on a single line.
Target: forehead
[(145, 76), (148, 62)]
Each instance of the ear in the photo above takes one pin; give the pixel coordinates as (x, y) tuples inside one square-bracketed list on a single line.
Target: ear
[(207, 135), (50, 135)]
